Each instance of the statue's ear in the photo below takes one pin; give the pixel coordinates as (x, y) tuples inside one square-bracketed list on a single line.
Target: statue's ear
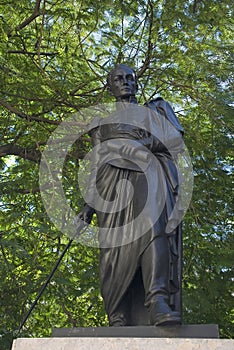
[(109, 89), (137, 87)]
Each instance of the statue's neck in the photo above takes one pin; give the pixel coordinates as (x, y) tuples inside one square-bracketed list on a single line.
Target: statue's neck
[(122, 103)]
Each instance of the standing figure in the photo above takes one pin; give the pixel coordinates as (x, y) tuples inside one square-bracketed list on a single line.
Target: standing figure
[(140, 277)]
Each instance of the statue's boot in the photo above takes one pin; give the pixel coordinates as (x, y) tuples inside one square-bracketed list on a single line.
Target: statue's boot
[(161, 313), (118, 320), (155, 273)]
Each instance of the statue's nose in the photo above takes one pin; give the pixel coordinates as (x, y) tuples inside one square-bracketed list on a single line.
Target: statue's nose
[(125, 81)]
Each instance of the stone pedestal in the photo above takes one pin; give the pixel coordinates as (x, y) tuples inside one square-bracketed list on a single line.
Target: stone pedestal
[(180, 331), (185, 337), (95, 343)]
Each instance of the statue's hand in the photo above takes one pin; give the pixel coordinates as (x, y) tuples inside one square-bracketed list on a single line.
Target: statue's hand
[(86, 214)]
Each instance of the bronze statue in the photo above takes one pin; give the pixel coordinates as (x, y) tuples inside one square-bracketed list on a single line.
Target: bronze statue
[(140, 280)]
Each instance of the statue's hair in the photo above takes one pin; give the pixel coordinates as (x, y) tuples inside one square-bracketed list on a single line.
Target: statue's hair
[(119, 66)]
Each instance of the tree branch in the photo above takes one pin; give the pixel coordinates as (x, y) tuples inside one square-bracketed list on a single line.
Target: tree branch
[(11, 149), (35, 53), (34, 154), (25, 116), (69, 316), (35, 14), (150, 44)]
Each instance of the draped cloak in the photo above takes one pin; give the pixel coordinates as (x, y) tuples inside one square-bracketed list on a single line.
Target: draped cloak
[(138, 145)]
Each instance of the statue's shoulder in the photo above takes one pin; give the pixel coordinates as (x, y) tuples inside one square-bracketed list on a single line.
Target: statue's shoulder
[(156, 103), (164, 108)]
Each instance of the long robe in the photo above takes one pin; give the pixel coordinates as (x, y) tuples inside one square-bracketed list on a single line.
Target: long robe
[(137, 146)]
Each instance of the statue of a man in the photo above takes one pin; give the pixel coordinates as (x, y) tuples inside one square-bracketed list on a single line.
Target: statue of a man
[(140, 280)]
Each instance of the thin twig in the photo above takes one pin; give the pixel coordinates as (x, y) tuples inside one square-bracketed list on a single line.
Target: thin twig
[(35, 14)]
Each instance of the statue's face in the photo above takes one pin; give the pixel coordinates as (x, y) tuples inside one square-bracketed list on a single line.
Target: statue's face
[(123, 82)]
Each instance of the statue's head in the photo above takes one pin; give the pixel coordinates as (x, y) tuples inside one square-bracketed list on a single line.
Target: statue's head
[(122, 82)]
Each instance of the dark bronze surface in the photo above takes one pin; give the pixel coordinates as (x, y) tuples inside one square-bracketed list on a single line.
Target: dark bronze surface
[(140, 281)]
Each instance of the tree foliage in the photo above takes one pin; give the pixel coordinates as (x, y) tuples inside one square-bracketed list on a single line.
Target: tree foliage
[(55, 55)]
